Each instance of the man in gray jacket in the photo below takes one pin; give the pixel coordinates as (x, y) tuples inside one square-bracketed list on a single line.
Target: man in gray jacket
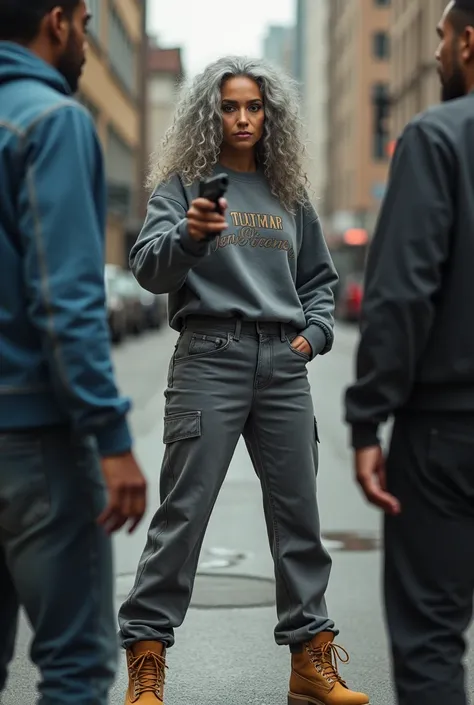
[(416, 363)]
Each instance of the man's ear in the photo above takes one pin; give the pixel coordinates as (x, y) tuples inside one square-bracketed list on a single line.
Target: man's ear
[(467, 44), (57, 26)]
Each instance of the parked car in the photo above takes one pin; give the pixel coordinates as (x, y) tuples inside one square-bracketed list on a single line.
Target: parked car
[(155, 309), (131, 309), (351, 294), (116, 313), (131, 294)]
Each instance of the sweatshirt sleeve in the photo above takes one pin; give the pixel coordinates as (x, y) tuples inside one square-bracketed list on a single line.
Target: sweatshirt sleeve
[(404, 273), (62, 230), (315, 281), (165, 252)]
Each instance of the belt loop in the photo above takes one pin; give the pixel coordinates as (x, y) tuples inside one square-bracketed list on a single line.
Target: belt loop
[(282, 332), (238, 329)]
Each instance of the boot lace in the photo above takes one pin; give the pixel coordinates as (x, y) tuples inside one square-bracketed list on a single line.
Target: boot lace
[(325, 658), (148, 673)]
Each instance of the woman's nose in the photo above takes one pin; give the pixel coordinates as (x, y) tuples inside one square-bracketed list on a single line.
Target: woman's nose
[(243, 116)]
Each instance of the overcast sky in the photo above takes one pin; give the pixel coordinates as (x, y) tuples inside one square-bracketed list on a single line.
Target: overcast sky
[(206, 31)]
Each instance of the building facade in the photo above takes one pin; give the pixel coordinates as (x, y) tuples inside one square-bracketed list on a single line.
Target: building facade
[(278, 47), (165, 72), (358, 113), (415, 82), (113, 88), (311, 58)]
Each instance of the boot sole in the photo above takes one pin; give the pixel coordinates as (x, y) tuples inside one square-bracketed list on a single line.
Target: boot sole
[(304, 700)]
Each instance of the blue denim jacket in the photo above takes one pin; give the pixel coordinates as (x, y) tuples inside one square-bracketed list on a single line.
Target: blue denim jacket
[(55, 356)]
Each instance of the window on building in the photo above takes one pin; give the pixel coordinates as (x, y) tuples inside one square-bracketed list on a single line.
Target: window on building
[(122, 51), (121, 173), (94, 27), (381, 45), (383, 3), (120, 158), (381, 111)]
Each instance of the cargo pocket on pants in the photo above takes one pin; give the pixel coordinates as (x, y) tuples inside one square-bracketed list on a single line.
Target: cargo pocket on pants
[(179, 427)]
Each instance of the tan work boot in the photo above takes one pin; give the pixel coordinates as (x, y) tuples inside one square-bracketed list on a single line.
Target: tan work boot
[(315, 679), (146, 673)]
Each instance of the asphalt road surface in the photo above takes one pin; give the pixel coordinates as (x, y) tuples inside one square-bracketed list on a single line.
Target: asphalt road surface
[(225, 653)]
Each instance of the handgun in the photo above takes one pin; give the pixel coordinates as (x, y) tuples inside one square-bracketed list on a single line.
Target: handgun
[(214, 188)]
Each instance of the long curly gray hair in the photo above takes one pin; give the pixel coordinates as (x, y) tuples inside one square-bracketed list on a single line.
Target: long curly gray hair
[(192, 145)]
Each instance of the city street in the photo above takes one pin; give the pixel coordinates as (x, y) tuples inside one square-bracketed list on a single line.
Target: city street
[(225, 652)]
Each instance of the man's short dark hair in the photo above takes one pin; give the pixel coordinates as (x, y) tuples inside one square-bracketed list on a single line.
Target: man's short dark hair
[(462, 15), (20, 19)]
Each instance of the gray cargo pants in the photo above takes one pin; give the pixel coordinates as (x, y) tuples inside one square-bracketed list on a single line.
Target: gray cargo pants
[(229, 378)]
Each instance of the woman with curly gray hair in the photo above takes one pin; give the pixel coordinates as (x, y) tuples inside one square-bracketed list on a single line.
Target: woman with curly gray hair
[(250, 285)]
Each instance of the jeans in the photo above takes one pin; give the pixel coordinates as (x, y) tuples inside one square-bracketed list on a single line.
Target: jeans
[(225, 380), (56, 562)]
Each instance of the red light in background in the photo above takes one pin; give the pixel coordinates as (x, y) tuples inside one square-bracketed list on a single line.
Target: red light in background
[(356, 236)]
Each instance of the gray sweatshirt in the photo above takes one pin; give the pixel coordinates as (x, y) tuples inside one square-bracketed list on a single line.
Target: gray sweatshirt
[(268, 265)]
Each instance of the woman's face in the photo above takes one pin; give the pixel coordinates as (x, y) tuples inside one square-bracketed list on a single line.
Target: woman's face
[(242, 113)]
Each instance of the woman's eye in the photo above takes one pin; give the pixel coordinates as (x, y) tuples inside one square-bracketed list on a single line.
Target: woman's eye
[(255, 108), (227, 108)]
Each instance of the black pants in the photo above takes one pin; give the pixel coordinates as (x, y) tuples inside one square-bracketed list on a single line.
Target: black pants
[(429, 556)]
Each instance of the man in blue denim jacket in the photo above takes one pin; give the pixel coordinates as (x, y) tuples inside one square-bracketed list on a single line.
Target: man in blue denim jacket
[(63, 427)]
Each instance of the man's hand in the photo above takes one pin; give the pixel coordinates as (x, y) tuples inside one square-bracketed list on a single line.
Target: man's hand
[(370, 474), (204, 220), (302, 345), (127, 493)]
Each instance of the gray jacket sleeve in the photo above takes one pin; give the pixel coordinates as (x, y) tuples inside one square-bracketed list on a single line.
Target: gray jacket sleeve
[(164, 252), (404, 274), (315, 281)]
